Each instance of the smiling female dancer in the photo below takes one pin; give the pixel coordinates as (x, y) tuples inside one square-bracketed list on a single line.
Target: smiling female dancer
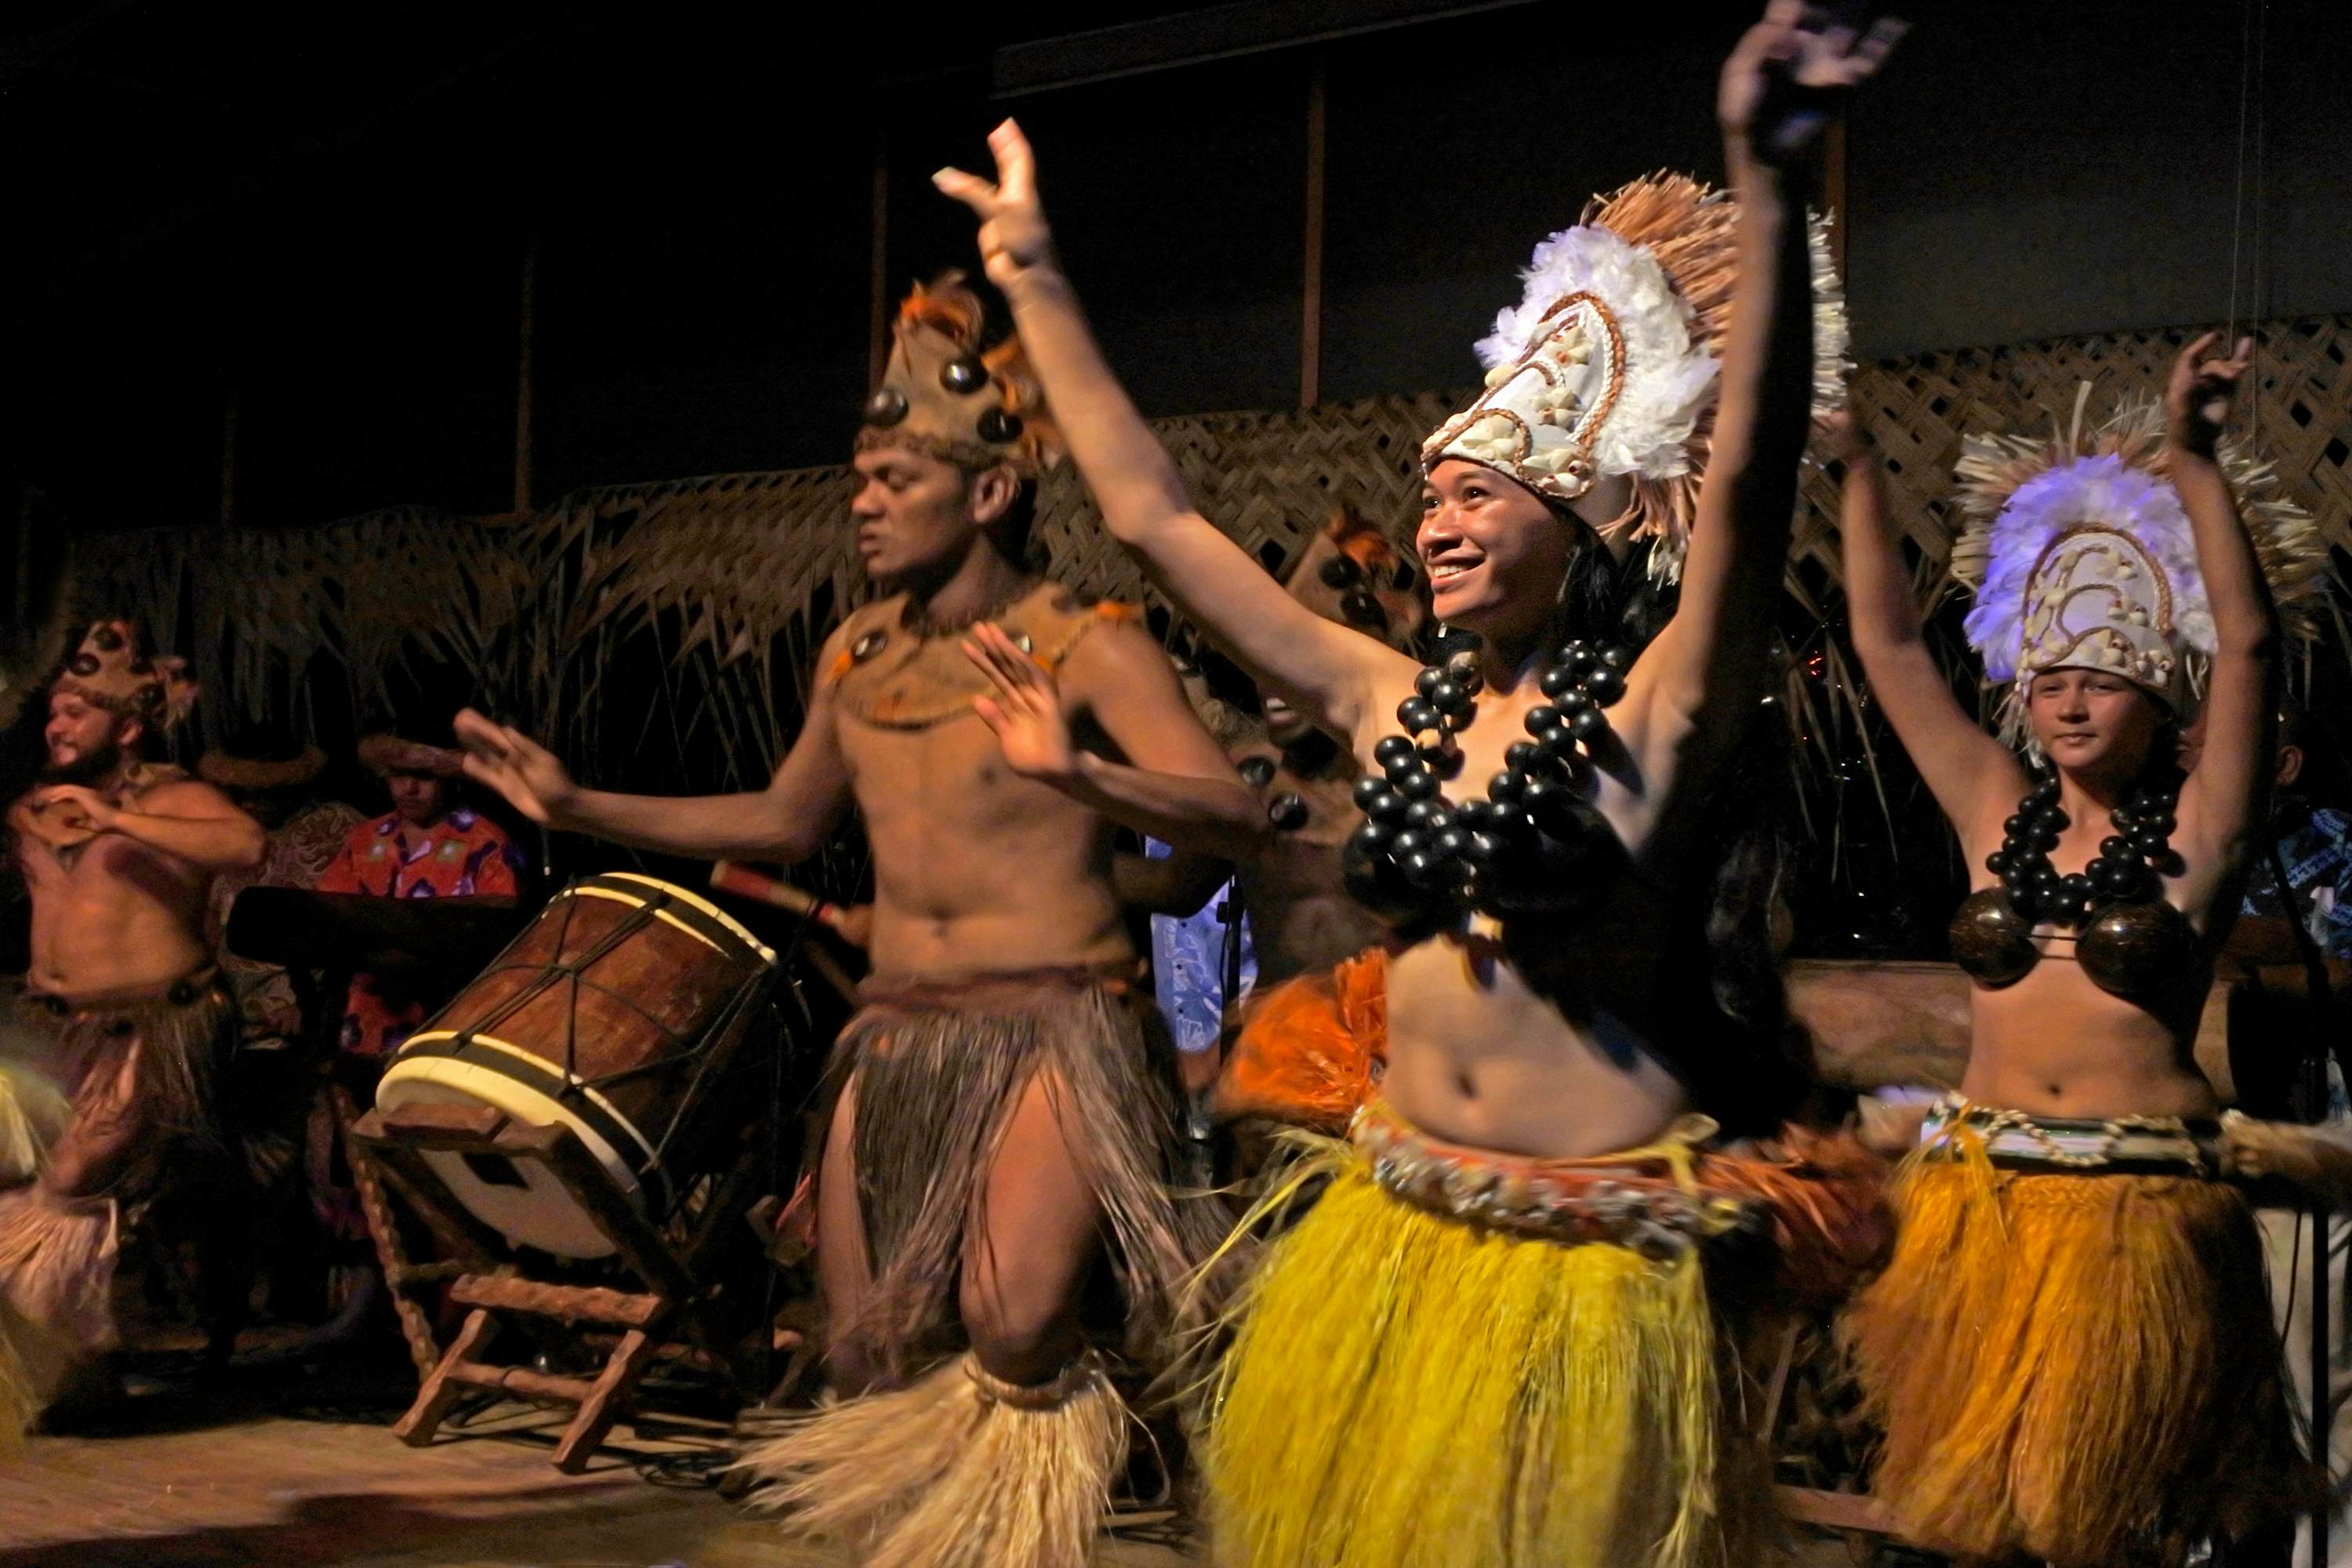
[(2072, 1349), (1499, 1337)]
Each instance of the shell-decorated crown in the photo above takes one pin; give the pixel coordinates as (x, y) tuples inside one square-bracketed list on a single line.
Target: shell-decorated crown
[(1608, 364), (2081, 556)]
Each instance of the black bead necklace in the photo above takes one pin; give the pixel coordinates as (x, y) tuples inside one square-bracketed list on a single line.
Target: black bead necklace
[(2129, 861), (1417, 852)]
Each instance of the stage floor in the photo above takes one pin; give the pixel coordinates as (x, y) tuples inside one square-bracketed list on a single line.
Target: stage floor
[(275, 1492)]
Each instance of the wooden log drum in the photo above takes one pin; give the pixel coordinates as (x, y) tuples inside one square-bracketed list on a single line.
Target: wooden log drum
[(615, 1014)]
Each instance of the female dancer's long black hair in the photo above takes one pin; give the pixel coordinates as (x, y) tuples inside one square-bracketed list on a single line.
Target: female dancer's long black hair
[(1747, 1062)]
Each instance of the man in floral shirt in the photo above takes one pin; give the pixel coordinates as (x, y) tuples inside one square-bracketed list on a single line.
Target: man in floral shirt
[(427, 847)]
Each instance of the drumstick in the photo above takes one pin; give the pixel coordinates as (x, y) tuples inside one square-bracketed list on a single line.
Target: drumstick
[(726, 877)]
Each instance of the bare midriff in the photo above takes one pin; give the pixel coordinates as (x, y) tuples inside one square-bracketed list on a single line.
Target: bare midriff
[(1551, 1048), (1561, 1069), (2053, 1044), (977, 870)]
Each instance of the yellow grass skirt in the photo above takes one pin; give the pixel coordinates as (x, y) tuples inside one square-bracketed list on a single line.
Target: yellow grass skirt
[(1406, 1390), (2078, 1368)]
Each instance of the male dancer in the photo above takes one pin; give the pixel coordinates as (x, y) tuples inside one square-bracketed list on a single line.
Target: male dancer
[(120, 854), (1006, 1098)]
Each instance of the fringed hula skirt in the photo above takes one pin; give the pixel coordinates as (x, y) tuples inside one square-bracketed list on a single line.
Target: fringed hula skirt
[(1463, 1359), (2072, 1352), (955, 1468)]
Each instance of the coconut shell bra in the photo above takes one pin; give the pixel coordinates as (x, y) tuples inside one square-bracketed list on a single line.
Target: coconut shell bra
[(2129, 940)]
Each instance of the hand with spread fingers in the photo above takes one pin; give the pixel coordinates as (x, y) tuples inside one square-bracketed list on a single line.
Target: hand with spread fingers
[(1790, 73), (1026, 711), (1014, 238), (517, 767), (2198, 396)]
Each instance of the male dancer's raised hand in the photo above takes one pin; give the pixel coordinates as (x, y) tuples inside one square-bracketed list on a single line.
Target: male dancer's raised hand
[(510, 761)]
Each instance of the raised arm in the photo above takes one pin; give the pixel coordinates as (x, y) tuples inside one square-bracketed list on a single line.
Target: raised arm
[(1327, 670), (2225, 797), (1175, 783), (1969, 773), (1779, 88), (785, 822)]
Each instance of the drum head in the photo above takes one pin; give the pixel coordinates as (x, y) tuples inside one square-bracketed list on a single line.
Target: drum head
[(520, 1199)]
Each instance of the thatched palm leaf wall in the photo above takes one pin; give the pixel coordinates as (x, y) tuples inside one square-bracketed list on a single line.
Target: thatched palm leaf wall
[(726, 584)]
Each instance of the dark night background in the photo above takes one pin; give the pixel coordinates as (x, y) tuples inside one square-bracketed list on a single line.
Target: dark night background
[(322, 212), (310, 225)]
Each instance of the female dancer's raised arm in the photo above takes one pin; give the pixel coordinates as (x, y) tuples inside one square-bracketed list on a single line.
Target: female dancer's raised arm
[(1326, 670), (2222, 799), (1974, 777), (1707, 658)]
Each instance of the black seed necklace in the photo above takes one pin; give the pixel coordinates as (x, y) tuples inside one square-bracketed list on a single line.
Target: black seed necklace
[(1418, 852), (2130, 860)]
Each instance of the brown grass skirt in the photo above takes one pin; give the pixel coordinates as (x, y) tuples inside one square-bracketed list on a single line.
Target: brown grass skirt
[(939, 1068), (140, 1073), (2078, 1368)]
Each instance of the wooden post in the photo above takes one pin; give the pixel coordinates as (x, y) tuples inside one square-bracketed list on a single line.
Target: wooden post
[(877, 321), (230, 406), (527, 327), (1310, 299)]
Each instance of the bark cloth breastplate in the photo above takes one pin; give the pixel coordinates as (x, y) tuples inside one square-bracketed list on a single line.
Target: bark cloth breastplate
[(898, 675)]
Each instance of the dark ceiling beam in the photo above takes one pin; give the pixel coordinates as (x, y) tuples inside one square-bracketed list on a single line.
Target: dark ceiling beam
[(1218, 32), (243, 185)]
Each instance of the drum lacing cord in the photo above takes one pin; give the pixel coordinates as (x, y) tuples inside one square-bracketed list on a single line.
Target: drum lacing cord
[(573, 968)]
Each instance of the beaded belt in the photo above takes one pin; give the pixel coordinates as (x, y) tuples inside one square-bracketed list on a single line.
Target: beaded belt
[(2127, 1145), (1648, 1199)]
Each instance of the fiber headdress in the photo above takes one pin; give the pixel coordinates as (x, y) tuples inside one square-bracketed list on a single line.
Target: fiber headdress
[(1607, 366), (384, 753), (943, 395), (2081, 556), (114, 669), (260, 759)]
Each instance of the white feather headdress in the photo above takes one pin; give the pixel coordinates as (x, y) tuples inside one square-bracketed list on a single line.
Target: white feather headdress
[(1608, 364), (2081, 556)]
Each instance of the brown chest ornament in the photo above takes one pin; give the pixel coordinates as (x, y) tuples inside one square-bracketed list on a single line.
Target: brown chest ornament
[(897, 674)]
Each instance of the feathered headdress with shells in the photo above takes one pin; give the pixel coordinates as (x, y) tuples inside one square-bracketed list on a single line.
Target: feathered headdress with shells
[(943, 395), (2080, 555), (1608, 364)]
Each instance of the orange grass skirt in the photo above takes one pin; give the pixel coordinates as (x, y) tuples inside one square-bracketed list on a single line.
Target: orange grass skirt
[(2077, 1368)]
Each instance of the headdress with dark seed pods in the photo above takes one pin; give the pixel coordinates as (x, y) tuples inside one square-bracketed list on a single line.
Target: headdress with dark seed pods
[(945, 396)]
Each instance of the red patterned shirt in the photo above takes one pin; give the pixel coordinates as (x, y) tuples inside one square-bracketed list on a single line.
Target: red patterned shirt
[(464, 854)]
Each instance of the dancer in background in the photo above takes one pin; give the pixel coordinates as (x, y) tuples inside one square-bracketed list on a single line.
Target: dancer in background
[(119, 853), (2072, 1350), (1500, 1336)]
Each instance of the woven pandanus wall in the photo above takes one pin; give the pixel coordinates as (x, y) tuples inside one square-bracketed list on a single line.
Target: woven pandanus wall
[(725, 584)]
